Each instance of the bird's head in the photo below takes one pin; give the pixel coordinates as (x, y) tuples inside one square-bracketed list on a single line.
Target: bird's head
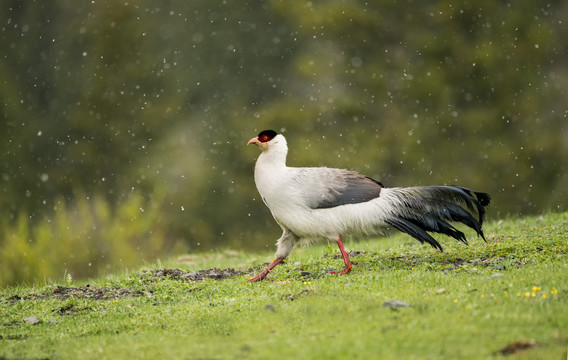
[(266, 139)]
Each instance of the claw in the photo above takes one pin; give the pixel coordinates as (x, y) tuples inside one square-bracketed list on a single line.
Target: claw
[(258, 277), (346, 270)]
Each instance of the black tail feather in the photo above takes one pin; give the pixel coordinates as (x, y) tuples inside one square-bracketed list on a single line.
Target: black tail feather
[(458, 214), (415, 231), (430, 208)]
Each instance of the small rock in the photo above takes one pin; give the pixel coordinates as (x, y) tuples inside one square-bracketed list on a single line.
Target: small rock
[(496, 275), (394, 304), (32, 320), (190, 275), (297, 263), (440, 291), (270, 307)]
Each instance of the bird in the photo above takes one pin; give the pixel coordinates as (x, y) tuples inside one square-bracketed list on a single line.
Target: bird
[(311, 203)]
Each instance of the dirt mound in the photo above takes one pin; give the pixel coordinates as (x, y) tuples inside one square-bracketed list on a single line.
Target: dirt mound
[(200, 275), (87, 291), (114, 293)]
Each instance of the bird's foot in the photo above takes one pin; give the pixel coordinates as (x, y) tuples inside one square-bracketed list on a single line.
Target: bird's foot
[(346, 270), (259, 277), (348, 263), (263, 273)]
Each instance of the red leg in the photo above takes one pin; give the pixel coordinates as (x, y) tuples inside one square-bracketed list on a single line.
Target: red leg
[(262, 275), (345, 256)]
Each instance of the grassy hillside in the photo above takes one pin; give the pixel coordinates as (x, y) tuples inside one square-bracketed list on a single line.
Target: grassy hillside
[(506, 298)]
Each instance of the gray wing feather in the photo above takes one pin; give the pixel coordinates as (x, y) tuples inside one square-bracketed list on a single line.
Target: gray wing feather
[(325, 188)]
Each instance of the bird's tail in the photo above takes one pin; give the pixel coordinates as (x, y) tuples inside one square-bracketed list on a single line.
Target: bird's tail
[(417, 210)]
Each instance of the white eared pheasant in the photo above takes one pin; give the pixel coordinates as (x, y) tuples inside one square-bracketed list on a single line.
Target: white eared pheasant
[(326, 203)]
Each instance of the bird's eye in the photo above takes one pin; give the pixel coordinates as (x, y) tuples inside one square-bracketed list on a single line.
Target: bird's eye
[(266, 135)]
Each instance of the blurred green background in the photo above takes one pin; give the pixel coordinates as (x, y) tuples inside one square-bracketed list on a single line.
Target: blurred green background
[(123, 124)]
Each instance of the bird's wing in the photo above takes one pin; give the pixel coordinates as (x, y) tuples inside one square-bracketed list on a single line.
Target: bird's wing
[(323, 188)]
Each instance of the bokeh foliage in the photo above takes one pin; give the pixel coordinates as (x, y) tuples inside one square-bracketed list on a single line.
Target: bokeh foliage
[(157, 99), (89, 239)]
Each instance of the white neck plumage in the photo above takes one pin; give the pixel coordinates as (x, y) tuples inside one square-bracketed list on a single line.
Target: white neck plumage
[(274, 152)]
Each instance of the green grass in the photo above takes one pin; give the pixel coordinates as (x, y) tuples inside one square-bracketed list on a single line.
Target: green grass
[(461, 308)]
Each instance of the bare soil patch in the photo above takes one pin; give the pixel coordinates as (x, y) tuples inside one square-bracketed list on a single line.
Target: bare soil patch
[(114, 293), (199, 275)]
